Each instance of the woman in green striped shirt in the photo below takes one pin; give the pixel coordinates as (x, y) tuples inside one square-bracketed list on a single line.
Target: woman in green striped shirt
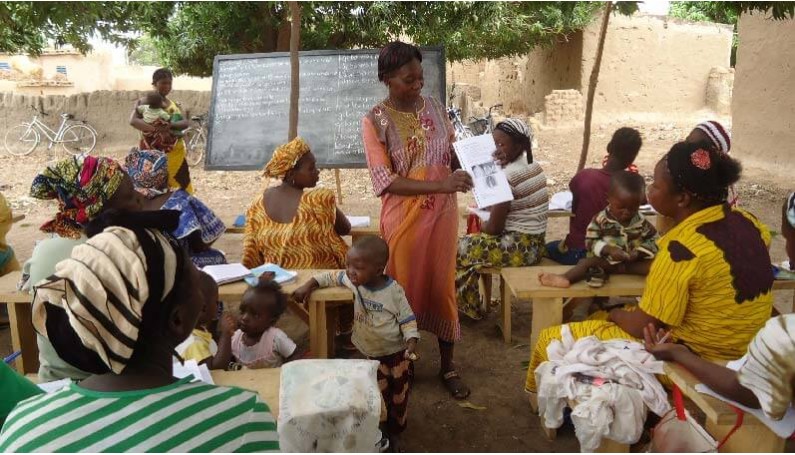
[(118, 308)]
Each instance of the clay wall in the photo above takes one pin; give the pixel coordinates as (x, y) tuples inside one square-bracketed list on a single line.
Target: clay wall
[(653, 64), (763, 103), (107, 111)]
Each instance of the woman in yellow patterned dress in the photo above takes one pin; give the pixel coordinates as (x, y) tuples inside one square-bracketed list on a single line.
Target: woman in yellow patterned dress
[(178, 172), (710, 284), (293, 228)]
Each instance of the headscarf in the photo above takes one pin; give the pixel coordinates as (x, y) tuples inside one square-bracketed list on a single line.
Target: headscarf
[(82, 185), (285, 157), (717, 135), (515, 128), (91, 309), (148, 170), (770, 366)]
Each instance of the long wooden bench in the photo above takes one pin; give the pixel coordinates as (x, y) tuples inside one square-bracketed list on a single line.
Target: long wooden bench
[(522, 283)]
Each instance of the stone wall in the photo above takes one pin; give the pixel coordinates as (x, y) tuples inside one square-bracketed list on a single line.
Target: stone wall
[(107, 111), (763, 103), (563, 107)]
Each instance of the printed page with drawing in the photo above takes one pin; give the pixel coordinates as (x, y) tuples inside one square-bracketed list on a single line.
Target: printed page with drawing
[(491, 185)]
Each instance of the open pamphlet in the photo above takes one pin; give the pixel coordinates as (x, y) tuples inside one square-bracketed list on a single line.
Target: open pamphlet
[(475, 155), (281, 275), (227, 273), (190, 367)]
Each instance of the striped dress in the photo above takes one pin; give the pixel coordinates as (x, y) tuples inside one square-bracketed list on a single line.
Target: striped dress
[(308, 242), (181, 417), (521, 244)]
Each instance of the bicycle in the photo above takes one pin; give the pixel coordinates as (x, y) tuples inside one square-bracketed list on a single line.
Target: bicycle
[(75, 138), (483, 125), (196, 140), (454, 113)]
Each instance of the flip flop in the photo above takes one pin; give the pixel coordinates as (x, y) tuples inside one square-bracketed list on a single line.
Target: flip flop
[(458, 393), (595, 277)]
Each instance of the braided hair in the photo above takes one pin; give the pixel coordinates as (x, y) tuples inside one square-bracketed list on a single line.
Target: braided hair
[(265, 286), (702, 171), (393, 56)]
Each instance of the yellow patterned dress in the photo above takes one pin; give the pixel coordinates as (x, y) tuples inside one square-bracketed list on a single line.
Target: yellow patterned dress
[(308, 242)]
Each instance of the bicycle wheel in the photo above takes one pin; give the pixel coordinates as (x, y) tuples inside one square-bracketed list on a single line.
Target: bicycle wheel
[(78, 139), (20, 140), (195, 144)]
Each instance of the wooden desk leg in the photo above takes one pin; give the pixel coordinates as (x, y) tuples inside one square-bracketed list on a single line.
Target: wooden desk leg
[(318, 341), (505, 309), (332, 318), (747, 438), (23, 337), (546, 313)]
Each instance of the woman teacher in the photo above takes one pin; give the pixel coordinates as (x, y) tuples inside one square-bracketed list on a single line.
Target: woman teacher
[(408, 145)]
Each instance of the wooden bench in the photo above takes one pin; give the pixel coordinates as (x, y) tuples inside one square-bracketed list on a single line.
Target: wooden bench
[(752, 436), (23, 336), (356, 232), (321, 314), (522, 283)]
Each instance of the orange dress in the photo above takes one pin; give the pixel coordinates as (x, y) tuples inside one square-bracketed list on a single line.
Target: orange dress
[(308, 242), (421, 230)]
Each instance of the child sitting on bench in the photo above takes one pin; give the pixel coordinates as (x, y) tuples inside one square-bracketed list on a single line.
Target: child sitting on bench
[(619, 239)]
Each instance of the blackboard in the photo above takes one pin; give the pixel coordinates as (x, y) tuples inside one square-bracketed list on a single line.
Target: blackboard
[(250, 104)]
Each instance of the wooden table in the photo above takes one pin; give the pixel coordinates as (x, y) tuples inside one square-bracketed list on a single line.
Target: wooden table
[(752, 436), (20, 315), (264, 381), (322, 311)]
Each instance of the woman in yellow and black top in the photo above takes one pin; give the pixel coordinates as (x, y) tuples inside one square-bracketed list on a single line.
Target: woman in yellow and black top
[(711, 282)]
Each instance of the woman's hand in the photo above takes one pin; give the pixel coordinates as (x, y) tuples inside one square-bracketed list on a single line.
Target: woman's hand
[(458, 182), (655, 342)]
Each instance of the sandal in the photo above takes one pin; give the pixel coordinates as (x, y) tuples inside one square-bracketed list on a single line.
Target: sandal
[(595, 277), (452, 381)]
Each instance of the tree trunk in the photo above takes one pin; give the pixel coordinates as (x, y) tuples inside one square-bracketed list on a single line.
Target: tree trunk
[(295, 36), (586, 131)]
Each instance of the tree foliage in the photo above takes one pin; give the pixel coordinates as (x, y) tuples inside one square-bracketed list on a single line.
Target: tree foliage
[(469, 30), (729, 12)]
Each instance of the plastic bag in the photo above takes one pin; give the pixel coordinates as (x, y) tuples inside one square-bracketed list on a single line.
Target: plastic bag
[(678, 432)]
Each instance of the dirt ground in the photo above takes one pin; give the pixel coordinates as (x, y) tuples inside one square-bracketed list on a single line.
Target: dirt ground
[(492, 369)]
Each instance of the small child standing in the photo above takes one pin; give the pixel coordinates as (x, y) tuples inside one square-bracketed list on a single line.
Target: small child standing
[(384, 327), (619, 238), (257, 343)]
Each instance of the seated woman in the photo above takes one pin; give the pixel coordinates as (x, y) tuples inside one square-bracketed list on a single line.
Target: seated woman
[(589, 195), (118, 308), (84, 187), (788, 228), (293, 228), (710, 284), (513, 236), (198, 226)]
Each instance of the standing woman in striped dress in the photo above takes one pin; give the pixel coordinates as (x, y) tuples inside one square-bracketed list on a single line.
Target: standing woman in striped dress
[(514, 234)]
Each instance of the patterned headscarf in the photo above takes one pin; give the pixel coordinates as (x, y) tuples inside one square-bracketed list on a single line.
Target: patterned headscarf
[(148, 170), (515, 128), (285, 157), (770, 366), (82, 185), (92, 308), (717, 134)]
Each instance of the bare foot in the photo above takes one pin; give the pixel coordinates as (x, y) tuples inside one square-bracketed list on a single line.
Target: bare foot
[(553, 280)]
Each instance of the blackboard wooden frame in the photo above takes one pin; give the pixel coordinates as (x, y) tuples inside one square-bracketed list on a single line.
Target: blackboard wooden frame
[(219, 58)]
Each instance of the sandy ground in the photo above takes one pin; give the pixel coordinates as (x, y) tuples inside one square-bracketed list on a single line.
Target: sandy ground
[(492, 369)]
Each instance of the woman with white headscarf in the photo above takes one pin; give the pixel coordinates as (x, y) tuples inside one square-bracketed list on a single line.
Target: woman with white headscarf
[(514, 234), (117, 308)]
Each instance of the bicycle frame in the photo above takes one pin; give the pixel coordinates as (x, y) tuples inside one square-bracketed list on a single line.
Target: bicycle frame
[(51, 135)]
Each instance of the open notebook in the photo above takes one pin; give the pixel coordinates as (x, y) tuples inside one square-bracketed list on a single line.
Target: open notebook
[(227, 273)]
